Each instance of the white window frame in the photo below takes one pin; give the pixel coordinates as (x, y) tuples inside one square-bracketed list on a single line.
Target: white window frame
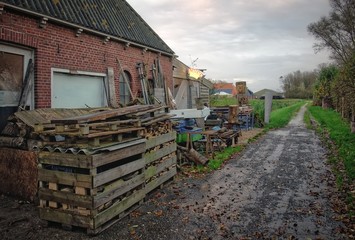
[(27, 54), (82, 73)]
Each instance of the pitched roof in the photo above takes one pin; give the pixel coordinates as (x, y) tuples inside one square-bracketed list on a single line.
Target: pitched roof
[(115, 18), (263, 91), (224, 86)]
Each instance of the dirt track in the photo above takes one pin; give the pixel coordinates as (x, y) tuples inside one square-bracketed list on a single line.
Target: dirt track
[(278, 187)]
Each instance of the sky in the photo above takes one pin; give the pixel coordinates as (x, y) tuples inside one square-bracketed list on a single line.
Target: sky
[(256, 41)]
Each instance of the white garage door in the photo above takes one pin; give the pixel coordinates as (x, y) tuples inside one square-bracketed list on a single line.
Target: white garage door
[(77, 91)]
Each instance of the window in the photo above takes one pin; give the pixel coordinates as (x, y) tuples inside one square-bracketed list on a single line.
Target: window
[(80, 90), (125, 81)]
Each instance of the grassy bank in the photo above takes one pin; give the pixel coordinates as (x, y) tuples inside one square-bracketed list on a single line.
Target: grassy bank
[(336, 134), (339, 133)]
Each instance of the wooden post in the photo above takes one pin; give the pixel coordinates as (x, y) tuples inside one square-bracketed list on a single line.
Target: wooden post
[(268, 106), (53, 186), (352, 126), (342, 107), (233, 114), (112, 99)]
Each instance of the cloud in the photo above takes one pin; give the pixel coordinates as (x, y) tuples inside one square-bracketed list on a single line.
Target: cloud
[(254, 40)]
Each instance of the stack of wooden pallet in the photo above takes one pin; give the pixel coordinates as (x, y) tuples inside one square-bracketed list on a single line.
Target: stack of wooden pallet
[(97, 167), (91, 190)]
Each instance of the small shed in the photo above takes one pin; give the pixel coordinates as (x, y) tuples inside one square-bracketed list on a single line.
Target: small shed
[(189, 84)]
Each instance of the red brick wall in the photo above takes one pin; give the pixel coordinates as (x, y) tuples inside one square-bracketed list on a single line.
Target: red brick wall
[(57, 46)]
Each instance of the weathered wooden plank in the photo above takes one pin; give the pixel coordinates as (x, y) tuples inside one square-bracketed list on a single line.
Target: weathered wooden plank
[(71, 179), (160, 140), (103, 115), (156, 116), (159, 181), (111, 87), (65, 159), (155, 120), (155, 155), (69, 198), (117, 172), (53, 186), (108, 123), (66, 218), (114, 153), (118, 208), (151, 111), (119, 154), (106, 133), (117, 189), (154, 170), (92, 134)]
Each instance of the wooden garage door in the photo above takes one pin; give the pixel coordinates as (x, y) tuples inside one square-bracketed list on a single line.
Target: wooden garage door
[(77, 91)]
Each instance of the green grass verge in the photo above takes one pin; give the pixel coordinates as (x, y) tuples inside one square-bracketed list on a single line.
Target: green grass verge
[(336, 134), (220, 157), (217, 161), (339, 132)]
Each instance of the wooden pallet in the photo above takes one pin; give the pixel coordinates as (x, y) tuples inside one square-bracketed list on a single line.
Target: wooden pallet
[(90, 191), (98, 223), (160, 158), (94, 138)]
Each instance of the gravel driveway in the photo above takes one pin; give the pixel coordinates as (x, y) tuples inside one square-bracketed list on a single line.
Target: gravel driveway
[(277, 188)]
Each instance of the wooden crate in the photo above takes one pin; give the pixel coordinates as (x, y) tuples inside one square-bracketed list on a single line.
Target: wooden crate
[(91, 191), (160, 159)]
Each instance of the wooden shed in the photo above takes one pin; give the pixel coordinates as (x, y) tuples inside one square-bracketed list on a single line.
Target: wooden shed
[(189, 84)]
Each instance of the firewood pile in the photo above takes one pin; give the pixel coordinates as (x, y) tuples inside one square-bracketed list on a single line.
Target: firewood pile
[(97, 166)]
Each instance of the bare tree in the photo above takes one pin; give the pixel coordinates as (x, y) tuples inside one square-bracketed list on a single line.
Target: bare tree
[(298, 84), (336, 31)]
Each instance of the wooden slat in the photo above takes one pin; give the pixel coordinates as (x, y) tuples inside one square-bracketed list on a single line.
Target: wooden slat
[(106, 133), (160, 119), (118, 208), (92, 134), (111, 87), (66, 218), (65, 159), (69, 198), (151, 111), (108, 123), (159, 181), (71, 179), (155, 155), (91, 161), (154, 170), (108, 157), (103, 115), (117, 189), (117, 172), (160, 140), (53, 186)]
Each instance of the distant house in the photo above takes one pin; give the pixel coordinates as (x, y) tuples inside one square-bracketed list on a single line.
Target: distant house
[(225, 87), (189, 84), (250, 94), (81, 54), (261, 93)]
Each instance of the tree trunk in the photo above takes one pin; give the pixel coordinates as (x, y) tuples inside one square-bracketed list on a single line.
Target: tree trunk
[(326, 103), (352, 122)]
